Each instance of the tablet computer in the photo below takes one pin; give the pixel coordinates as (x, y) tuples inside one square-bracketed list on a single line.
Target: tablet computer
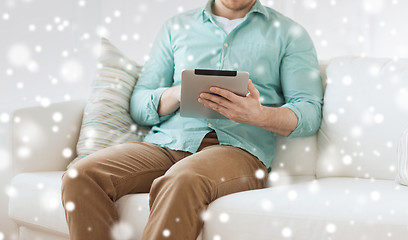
[(196, 81)]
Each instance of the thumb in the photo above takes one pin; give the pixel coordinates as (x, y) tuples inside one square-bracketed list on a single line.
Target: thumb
[(252, 89)]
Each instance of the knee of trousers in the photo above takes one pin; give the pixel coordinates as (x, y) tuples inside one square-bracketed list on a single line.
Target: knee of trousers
[(83, 184), (188, 184), (74, 184)]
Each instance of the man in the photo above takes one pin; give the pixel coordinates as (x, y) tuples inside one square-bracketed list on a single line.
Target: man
[(186, 163)]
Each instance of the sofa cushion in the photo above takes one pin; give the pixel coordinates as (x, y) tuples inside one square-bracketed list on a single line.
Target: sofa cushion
[(106, 119), (37, 202), (365, 111), (340, 208), (327, 208), (402, 150)]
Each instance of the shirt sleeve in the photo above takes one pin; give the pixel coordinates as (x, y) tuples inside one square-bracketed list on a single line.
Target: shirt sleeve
[(155, 78), (301, 83)]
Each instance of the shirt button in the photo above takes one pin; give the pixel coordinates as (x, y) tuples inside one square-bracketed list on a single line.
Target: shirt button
[(209, 124), (225, 44)]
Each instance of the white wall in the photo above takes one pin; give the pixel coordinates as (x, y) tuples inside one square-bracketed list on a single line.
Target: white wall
[(47, 47)]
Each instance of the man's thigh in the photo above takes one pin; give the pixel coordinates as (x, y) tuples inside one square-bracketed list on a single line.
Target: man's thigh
[(230, 169), (128, 167)]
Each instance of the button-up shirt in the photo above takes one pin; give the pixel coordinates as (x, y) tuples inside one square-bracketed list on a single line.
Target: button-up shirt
[(276, 51)]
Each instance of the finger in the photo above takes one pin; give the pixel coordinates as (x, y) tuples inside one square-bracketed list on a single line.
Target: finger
[(225, 93), (216, 99), (252, 89), (209, 104)]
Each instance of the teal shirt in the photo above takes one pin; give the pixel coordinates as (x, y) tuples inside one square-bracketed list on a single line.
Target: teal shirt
[(276, 51)]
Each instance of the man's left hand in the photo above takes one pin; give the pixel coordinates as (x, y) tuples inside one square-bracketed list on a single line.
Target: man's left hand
[(239, 109)]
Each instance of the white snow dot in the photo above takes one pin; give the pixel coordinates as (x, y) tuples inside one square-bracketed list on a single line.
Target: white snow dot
[(276, 23), (24, 152), (38, 48), (4, 117), (71, 71), (67, 152), (180, 9), (273, 177), (40, 186), (55, 129), (5, 159), (67, 97), (378, 118), (190, 58), (57, 117), (136, 36), (19, 54), (9, 72), (347, 80), (124, 37), (6, 16), (65, 53), (72, 173), (11, 191), (102, 31), (45, 102), (292, 195), (392, 168), (81, 3), (1, 236), (307, 149), (122, 230), (176, 27), (70, 206), (260, 174), (117, 13), (166, 233), (205, 215), (217, 237), (375, 195), (31, 27), (313, 187), (373, 6), (224, 217), (332, 118), (266, 205), (32, 66), (347, 160), (356, 131), (331, 228), (286, 232)]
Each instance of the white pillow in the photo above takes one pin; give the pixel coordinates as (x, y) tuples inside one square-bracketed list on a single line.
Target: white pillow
[(106, 120), (402, 151)]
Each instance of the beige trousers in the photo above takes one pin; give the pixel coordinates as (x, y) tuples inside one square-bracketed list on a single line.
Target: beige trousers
[(181, 185)]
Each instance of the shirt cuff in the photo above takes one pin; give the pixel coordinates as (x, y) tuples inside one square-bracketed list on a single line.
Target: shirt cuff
[(153, 106), (298, 129)]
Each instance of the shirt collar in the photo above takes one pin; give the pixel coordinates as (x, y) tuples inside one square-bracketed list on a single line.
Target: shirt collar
[(257, 7)]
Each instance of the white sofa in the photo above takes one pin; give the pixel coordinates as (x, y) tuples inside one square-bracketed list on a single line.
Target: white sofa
[(338, 184)]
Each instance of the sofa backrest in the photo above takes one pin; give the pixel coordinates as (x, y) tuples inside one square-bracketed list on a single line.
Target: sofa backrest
[(297, 156), (365, 111)]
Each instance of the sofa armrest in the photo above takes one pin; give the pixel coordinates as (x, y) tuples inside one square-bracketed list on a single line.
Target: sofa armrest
[(44, 139)]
